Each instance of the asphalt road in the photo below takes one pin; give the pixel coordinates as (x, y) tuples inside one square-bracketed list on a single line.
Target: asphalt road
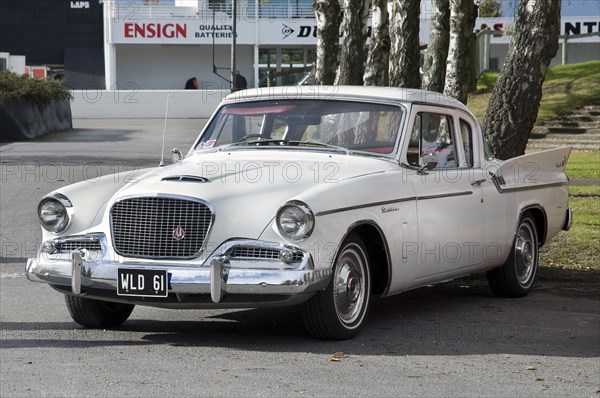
[(451, 340)]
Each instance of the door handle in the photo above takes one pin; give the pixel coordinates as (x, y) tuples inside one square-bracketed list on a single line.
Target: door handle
[(478, 182)]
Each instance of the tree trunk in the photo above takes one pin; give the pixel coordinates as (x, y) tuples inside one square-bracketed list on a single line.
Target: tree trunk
[(462, 23), (434, 67), (514, 105), (404, 51), (376, 70), (327, 13), (353, 56)]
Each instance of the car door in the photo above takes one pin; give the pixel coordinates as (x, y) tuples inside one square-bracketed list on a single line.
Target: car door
[(451, 226)]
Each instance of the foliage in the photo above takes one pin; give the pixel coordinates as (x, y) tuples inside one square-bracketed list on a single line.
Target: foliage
[(490, 9), (40, 92), (487, 81), (566, 88)]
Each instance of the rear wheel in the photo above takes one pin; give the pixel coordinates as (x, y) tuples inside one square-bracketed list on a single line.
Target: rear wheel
[(338, 312), (96, 313), (516, 277)]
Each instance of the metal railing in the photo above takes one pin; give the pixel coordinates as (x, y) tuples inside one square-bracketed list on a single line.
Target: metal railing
[(245, 10)]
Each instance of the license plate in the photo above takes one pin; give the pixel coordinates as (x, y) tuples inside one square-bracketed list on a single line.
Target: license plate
[(142, 282)]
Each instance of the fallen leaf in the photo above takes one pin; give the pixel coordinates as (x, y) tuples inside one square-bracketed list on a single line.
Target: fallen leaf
[(531, 368), (539, 379), (337, 356)]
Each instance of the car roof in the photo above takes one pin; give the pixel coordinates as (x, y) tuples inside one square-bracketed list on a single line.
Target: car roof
[(389, 94)]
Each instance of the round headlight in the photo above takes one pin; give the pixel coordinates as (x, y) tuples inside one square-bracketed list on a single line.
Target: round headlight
[(295, 220), (53, 214)]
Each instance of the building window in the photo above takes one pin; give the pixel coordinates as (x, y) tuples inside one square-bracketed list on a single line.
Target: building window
[(217, 5)]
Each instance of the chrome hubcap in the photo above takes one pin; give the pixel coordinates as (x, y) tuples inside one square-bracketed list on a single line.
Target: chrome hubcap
[(525, 252), (349, 286)]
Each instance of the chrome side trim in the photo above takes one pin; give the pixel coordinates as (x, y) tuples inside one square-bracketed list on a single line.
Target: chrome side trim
[(444, 195), (373, 204), (499, 180), (393, 201)]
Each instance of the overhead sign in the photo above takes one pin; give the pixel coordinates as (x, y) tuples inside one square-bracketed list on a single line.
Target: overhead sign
[(80, 4), (579, 27), (277, 32), (155, 30), (176, 31)]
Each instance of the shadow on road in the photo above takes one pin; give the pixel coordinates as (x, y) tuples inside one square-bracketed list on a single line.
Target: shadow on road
[(446, 320)]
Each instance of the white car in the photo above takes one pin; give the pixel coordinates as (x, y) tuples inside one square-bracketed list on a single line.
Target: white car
[(318, 196)]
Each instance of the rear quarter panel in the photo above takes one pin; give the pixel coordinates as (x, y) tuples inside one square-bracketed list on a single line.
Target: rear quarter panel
[(537, 180)]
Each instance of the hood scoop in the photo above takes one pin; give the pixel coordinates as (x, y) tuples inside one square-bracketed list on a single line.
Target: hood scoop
[(186, 179)]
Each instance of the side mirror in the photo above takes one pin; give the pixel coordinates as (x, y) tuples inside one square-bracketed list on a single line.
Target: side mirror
[(428, 161), (176, 156)]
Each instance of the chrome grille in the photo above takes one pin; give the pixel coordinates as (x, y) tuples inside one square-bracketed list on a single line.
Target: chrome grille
[(69, 246), (259, 253), (147, 227)]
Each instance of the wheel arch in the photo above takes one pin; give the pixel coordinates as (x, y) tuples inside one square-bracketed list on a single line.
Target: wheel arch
[(541, 220), (378, 253)]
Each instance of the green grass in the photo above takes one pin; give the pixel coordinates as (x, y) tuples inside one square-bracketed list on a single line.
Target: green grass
[(577, 249), (566, 88), (584, 191), (584, 165), (487, 81), (577, 252)]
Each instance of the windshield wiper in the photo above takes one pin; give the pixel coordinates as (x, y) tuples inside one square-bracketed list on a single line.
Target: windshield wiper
[(321, 144), (259, 142)]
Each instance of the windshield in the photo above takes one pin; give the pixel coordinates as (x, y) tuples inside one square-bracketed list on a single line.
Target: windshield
[(339, 125)]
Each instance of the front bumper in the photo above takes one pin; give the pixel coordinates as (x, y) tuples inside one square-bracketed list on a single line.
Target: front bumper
[(228, 282)]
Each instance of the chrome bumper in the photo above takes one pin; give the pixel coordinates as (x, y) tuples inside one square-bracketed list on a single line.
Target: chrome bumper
[(568, 220), (216, 277)]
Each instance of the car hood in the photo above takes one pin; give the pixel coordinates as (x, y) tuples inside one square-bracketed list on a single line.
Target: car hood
[(247, 187)]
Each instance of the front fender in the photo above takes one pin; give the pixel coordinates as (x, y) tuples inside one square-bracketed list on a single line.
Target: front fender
[(89, 199)]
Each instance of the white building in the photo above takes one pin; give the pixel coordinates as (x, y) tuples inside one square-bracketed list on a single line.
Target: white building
[(160, 44)]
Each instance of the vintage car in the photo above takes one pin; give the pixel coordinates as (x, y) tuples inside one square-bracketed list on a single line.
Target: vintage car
[(321, 197)]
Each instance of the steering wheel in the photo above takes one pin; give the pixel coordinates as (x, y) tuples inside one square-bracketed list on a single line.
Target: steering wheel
[(259, 140)]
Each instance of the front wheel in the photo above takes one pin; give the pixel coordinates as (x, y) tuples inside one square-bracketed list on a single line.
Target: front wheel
[(515, 278), (96, 313), (338, 312)]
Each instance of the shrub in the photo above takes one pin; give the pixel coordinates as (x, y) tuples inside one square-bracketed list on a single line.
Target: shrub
[(37, 91)]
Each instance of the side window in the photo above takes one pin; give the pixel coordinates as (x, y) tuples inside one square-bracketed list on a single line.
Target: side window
[(466, 133), (432, 133)]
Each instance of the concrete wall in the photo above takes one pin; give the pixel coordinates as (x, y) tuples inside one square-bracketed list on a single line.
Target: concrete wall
[(578, 52), (148, 104)]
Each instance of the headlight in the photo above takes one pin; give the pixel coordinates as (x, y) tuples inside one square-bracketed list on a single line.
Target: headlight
[(295, 220), (54, 213)]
